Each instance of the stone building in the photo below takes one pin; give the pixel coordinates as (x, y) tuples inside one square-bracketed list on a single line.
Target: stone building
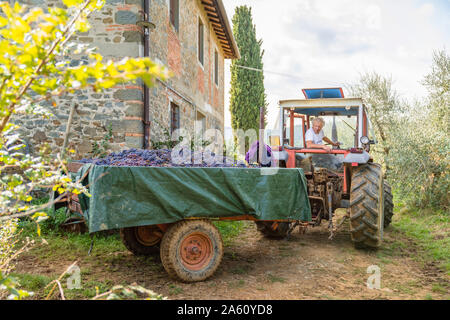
[(191, 37)]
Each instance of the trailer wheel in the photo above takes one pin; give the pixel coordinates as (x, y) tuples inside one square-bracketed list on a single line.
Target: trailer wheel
[(274, 230), (367, 206), (191, 250), (388, 205), (143, 240)]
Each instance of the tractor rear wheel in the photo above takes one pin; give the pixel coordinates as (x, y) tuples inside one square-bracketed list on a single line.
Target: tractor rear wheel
[(388, 205), (367, 206), (191, 250), (143, 240), (274, 230)]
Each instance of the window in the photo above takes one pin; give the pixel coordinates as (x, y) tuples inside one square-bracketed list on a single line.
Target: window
[(200, 41), (216, 67), (174, 117), (174, 13)]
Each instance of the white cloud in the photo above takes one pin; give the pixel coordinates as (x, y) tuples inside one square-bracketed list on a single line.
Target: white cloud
[(373, 19), (427, 9)]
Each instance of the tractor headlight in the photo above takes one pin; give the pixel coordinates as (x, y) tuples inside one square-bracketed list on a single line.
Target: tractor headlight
[(364, 140)]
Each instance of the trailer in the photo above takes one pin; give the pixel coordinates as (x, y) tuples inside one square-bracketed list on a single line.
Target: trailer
[(169, 210)]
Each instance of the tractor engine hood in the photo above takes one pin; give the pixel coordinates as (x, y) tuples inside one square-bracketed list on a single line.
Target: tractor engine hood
[(359, 158)]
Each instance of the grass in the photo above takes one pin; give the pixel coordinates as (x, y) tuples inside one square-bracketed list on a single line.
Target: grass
[(229, 230), (31, 282), (89, 289), (38, 285), (241, 269), (174, 290), (61, 246), (106, 255), (430, 231), (286, 251), (237, 284), (274, 279), (67, 244), (421, 234), (439, 288)]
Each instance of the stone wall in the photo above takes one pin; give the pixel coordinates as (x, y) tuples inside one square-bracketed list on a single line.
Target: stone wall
[(115, 34), (192, 86)]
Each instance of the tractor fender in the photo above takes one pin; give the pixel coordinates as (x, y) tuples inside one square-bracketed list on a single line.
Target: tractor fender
[(280, 155), (360, 158)]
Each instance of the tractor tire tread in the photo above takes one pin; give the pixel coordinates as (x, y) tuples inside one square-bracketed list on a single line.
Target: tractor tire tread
[(170, 250), (365, 219)]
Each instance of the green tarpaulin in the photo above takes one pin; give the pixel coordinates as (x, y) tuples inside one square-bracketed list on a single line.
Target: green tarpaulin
[(137, 196)]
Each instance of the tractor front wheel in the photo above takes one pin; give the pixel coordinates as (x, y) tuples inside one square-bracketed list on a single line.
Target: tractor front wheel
[(191, 250), (367, 206)]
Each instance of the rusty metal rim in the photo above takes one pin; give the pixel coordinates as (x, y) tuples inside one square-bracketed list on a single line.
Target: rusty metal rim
[(196, 251), (147, 235)]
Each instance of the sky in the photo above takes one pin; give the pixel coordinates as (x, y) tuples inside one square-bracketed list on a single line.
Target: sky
[(329, 43)]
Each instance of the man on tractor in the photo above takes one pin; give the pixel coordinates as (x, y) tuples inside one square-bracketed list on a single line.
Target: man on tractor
[(315, 135)]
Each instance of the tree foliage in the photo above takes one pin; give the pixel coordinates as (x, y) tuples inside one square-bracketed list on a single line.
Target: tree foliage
[(420, 156), (384, 107), (247, 86), (437, 83), (415, 137), (34, 70)]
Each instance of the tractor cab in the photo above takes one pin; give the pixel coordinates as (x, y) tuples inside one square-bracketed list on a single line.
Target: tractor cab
[(346, 121), (344, 177)]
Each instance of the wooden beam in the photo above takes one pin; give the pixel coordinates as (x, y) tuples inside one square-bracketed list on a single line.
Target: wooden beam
[(208, 2), (211, 9), (213, 18), (216, 24), (219, 31)]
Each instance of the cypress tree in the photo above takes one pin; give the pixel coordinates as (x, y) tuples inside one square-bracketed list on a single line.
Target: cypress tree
[(247, 86)]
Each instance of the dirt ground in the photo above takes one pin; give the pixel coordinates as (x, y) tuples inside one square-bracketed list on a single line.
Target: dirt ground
[(308, 266)]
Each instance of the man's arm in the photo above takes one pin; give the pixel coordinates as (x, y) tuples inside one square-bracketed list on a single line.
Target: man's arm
[(311, 145), (330, 142)]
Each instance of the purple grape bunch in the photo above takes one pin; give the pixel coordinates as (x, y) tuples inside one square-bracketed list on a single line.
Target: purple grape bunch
[(163, 158)]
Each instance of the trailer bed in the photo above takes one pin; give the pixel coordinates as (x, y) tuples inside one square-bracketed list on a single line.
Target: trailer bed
[(124, 197)]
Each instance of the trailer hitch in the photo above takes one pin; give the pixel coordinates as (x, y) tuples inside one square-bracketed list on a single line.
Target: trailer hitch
[(291, 228), (302, 228)]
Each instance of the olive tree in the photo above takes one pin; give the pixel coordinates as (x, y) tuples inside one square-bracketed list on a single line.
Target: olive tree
[(384, 107), (420, 156)]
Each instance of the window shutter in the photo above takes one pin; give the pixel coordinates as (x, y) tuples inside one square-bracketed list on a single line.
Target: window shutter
[(200, 42)]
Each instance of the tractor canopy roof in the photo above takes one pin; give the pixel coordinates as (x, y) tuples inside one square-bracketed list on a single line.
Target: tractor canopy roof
[(323, 93), (324, 102)]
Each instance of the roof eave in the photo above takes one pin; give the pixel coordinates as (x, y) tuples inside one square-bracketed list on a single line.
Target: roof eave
[(237, 54), (218, 18)]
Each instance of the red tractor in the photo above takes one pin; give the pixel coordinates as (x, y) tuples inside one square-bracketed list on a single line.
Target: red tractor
[(338, 178)]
